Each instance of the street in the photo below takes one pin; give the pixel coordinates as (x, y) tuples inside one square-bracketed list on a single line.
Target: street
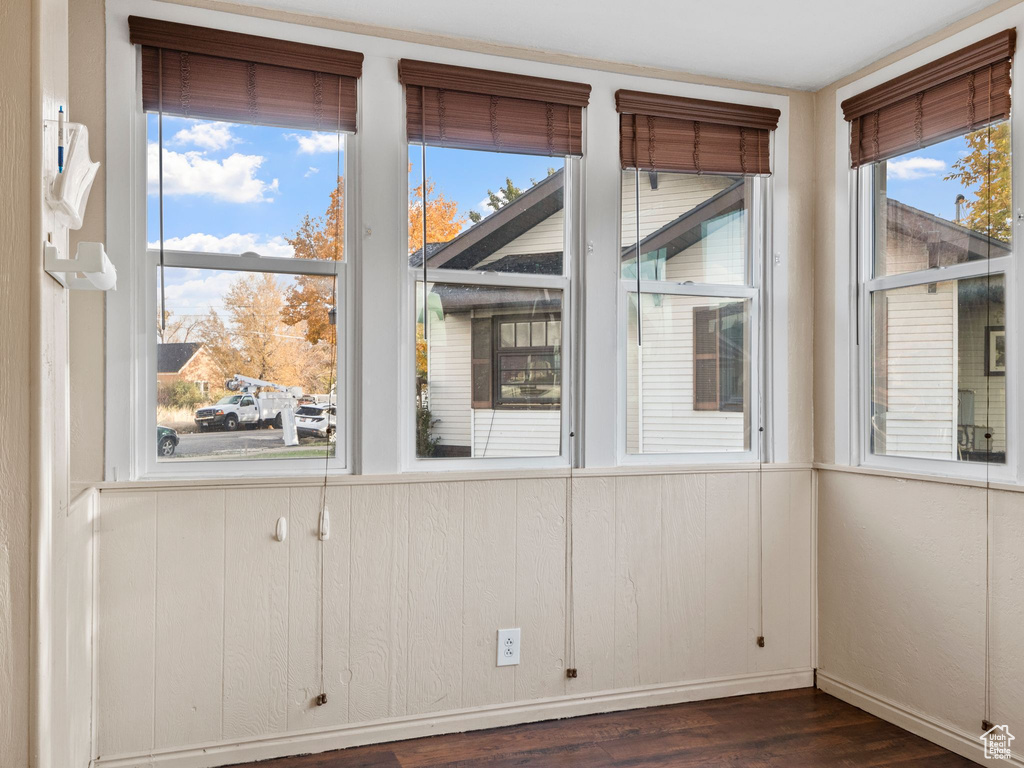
[(263, 443)]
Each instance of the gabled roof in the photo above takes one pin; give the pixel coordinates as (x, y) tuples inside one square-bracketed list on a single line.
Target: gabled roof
[(684, 231), (952, 239), (171, 358), (475, 244)]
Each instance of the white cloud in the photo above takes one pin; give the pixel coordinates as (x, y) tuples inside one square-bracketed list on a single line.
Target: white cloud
[(311, 172), (914, 168), (233, 243), (197, 292), (484, 206), (315, 143), (206, 135), (191, 173)]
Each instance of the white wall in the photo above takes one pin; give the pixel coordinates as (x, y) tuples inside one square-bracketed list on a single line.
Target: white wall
[(901, 601), (208, 628), (35, 708)]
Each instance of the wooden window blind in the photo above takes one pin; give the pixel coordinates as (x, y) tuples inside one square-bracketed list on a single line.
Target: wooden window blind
[(468, 108), (959, 93), (190, 71), (672, 133)]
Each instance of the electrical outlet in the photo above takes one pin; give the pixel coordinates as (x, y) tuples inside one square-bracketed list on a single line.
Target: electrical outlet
[(508, 647)]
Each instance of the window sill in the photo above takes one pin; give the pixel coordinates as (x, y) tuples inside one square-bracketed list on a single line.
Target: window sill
[(339, 479), (928, 477)]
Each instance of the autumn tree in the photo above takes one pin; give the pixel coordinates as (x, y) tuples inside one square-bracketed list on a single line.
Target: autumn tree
[(311, 296), (443, 220), (256, 341), (986, 169)]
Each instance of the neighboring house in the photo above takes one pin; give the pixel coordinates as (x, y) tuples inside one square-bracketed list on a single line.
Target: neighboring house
[(188, 361), (931, 393), (494, 354)]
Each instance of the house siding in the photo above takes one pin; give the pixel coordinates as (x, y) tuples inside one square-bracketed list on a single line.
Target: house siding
[(450, 379), (546, 237), (661, 401), (517, 433), (676, 194), (921, 364)]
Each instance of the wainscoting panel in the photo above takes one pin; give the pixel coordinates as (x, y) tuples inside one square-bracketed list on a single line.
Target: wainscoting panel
[(209, 640)]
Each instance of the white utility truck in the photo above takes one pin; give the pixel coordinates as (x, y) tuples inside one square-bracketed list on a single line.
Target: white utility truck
[(248, 406)]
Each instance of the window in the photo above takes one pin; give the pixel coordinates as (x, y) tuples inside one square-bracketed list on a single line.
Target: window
[(527, 362), (492, 179), (693, 303), (245, 265), (933, 170), (937, 386), (718, 358)]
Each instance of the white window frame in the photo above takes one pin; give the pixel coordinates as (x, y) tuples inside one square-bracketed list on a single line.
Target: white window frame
[(867, 285), (757, 290), (852, 374), (131, 358), (564, 283)]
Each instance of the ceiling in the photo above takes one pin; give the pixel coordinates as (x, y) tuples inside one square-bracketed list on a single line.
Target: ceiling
[(804, 44)]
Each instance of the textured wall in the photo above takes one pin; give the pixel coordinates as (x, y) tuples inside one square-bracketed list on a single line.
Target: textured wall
[(208, 627), (901, 593), (15, 163)]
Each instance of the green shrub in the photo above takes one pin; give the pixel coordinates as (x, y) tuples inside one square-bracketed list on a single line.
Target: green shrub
[(425, 444), (185, 394)]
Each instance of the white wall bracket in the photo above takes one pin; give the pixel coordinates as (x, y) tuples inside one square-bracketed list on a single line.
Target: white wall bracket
[(90, 261)]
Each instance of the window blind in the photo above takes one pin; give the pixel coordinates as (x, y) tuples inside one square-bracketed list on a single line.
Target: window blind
[(956, 94), (672, 133), (468, 108), (190, 71)]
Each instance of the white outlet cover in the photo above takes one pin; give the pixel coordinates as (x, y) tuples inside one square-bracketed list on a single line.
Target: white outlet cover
[(508, 647)]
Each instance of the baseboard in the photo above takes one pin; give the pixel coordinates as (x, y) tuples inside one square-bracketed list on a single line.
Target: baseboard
[(945, 735), (456, 721)]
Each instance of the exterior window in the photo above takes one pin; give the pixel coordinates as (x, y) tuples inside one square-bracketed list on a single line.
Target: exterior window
[(527, 363), (252, 261), (718, 350), (691, 311), (936, 353), (489, 361)]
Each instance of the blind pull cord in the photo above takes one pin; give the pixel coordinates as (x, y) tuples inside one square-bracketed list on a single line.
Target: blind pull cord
[(323, 523), (986, 723)]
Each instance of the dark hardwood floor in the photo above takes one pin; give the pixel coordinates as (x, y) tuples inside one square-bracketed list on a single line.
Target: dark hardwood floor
[(795, 729)]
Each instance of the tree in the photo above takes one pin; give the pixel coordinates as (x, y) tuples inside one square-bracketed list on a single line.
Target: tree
[(443, 220), (504, 196), (986, 167), (311, 296), (177, 329)]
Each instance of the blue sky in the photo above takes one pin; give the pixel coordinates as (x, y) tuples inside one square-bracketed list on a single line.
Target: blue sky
[(465, 175), (227, 184), (916, 178), (230, 187)]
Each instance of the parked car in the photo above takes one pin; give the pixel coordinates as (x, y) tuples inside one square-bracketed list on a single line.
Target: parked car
[(166, 441), (316, 420), (233, 411)]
